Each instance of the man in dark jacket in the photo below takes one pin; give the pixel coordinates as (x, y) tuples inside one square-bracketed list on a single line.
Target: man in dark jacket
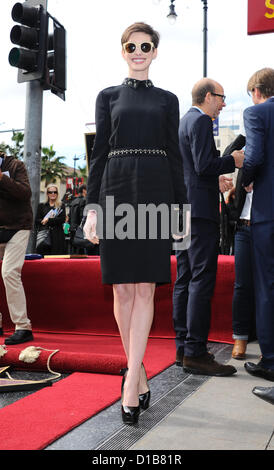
[(16, 221), (258, 168), (77, 209), (76, 214), (204, 176)]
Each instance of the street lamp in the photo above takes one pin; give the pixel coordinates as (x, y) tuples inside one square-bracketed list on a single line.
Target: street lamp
[(172, 15), (74, 174)]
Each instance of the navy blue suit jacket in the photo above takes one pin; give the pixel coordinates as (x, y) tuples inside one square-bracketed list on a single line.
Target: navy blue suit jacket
[(202, 164), (258, 164)]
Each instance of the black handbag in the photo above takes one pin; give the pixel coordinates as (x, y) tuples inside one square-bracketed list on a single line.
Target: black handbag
[(43, 239), (79, 239)]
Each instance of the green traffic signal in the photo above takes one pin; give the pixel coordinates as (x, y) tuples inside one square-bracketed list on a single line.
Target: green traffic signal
[(23, 59), (40, 55), (31, 35)]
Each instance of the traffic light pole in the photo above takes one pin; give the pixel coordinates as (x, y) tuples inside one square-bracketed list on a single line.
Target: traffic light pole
[(32, 144), (41, 63), (33, 137)]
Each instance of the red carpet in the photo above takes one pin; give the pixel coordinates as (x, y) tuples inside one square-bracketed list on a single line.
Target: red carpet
[(67, 296), (83, 353), (71, 311), (35, 421)]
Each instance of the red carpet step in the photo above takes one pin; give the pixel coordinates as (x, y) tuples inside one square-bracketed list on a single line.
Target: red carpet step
[(67, 296)]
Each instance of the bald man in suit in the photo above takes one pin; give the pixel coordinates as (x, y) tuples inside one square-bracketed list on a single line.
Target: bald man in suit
[(204, 172)]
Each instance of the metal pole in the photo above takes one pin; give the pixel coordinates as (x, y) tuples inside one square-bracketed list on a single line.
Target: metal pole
[(33, 137), (32, 144), (205, 39), (74, 175)]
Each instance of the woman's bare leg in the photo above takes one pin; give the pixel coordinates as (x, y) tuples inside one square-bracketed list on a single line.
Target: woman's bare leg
[(124, 295), (134, 318)]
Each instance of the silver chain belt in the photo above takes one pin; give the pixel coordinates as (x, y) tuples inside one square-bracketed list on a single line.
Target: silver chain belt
[(122, 152)]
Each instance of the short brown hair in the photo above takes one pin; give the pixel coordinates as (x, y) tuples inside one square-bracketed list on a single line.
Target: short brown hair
[(201, 89), (263, 80), (141, 28)]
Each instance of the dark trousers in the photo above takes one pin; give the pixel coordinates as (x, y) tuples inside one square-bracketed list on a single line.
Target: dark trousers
[(243, 303), (262, 235), (194, 286)]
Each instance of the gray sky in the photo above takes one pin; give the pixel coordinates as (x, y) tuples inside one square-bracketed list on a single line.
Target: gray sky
[(94, 61)]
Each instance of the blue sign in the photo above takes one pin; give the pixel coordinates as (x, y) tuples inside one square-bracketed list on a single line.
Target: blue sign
[(216, 126)]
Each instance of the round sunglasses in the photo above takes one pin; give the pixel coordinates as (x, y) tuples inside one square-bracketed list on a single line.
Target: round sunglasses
[(145, 47)]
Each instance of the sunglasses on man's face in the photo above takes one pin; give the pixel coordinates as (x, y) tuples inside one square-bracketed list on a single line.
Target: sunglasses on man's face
[(52, 192), (145, 47)]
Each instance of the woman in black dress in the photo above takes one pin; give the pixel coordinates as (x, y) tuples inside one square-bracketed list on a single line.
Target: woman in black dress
[(135, 163), (44, 221)]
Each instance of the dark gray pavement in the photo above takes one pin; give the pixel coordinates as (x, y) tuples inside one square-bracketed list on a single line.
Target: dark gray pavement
[(187, 412), (223, 414)]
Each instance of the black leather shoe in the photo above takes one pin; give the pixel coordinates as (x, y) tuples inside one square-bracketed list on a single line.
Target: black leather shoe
[(130, 414), (258, 371), (144, 398), (20, 336), (266, 393)]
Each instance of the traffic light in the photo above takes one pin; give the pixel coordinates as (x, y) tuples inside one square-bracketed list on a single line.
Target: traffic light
[(31, 35), (55, 66)]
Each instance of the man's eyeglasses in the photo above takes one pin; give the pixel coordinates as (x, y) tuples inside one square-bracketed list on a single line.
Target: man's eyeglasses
[(130, 47), (222, 96), (52, 192)]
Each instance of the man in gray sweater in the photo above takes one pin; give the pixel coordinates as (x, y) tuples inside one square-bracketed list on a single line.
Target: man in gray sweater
[(16, 221)]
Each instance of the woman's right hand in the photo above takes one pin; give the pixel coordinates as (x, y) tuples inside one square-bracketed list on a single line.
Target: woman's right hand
[(89, 228)]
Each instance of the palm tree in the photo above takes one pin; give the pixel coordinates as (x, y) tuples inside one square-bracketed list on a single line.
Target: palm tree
[(82, 172), (16, 150), (52, 167)]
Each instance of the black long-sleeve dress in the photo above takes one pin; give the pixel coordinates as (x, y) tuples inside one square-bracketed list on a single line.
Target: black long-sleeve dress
[(136, 162)]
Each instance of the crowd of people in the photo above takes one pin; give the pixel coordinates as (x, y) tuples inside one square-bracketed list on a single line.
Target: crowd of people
[(143, 154), (56, 224)]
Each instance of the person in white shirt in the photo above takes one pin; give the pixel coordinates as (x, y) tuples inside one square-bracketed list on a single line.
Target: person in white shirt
[(243, 303)]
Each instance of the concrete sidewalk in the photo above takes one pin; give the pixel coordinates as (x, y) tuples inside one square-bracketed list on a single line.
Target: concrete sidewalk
[(223, 414)]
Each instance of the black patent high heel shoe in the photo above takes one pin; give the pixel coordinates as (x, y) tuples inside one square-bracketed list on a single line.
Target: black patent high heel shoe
[(130, 414), (144, 398)]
